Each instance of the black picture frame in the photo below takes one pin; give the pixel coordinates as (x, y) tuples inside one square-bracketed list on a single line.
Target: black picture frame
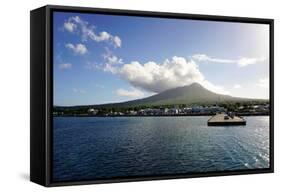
[(41, 92)]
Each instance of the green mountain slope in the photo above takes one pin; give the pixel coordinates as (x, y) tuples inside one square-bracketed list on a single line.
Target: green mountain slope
[(191, 94)]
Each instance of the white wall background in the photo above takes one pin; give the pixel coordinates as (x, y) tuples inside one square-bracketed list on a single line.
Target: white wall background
[(14, 94)]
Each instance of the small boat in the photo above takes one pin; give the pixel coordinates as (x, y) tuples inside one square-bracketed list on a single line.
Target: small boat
[(224, 119)]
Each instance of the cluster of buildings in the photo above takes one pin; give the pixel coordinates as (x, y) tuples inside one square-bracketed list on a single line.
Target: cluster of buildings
[(262, 108), (165, 111), (248, 109), (179, 111)]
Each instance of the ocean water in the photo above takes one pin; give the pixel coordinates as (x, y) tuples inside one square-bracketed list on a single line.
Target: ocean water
[(89, 148)]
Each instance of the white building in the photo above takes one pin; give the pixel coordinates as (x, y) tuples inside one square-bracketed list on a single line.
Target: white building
[(93, 111)]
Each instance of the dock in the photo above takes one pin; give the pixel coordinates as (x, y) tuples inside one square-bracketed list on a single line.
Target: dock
[(226, 120)]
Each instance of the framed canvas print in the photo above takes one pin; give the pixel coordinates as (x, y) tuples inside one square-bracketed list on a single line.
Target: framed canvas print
[(119, 95)]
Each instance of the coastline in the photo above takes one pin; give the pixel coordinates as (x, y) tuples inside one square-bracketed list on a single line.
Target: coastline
[(174, 115)]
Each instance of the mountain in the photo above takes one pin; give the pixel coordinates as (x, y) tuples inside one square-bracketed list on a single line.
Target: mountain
[(191, 94)]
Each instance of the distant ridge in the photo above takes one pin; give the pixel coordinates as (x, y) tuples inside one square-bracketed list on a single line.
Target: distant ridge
[(189, 94)]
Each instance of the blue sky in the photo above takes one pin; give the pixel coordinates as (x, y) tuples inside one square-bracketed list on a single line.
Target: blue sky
[(104, 58)]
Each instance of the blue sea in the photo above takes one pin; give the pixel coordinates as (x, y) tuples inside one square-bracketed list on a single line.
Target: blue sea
[(89, 148)]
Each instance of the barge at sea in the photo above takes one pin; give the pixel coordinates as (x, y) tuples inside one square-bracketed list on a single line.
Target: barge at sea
[(224, 119)]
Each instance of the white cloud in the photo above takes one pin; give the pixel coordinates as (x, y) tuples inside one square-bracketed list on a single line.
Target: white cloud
[(132, 93), (65, 66), (87, 31), (154, 77), (117, 41), (78, 48), (69, 26), (215, 88), (237, 86), (263, 83), (81, 91), (110, 61), (203, 57), (110, 58), (103, 36), (241, 62)]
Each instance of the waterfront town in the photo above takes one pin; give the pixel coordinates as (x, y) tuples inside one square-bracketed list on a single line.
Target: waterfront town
[(254, 109)]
